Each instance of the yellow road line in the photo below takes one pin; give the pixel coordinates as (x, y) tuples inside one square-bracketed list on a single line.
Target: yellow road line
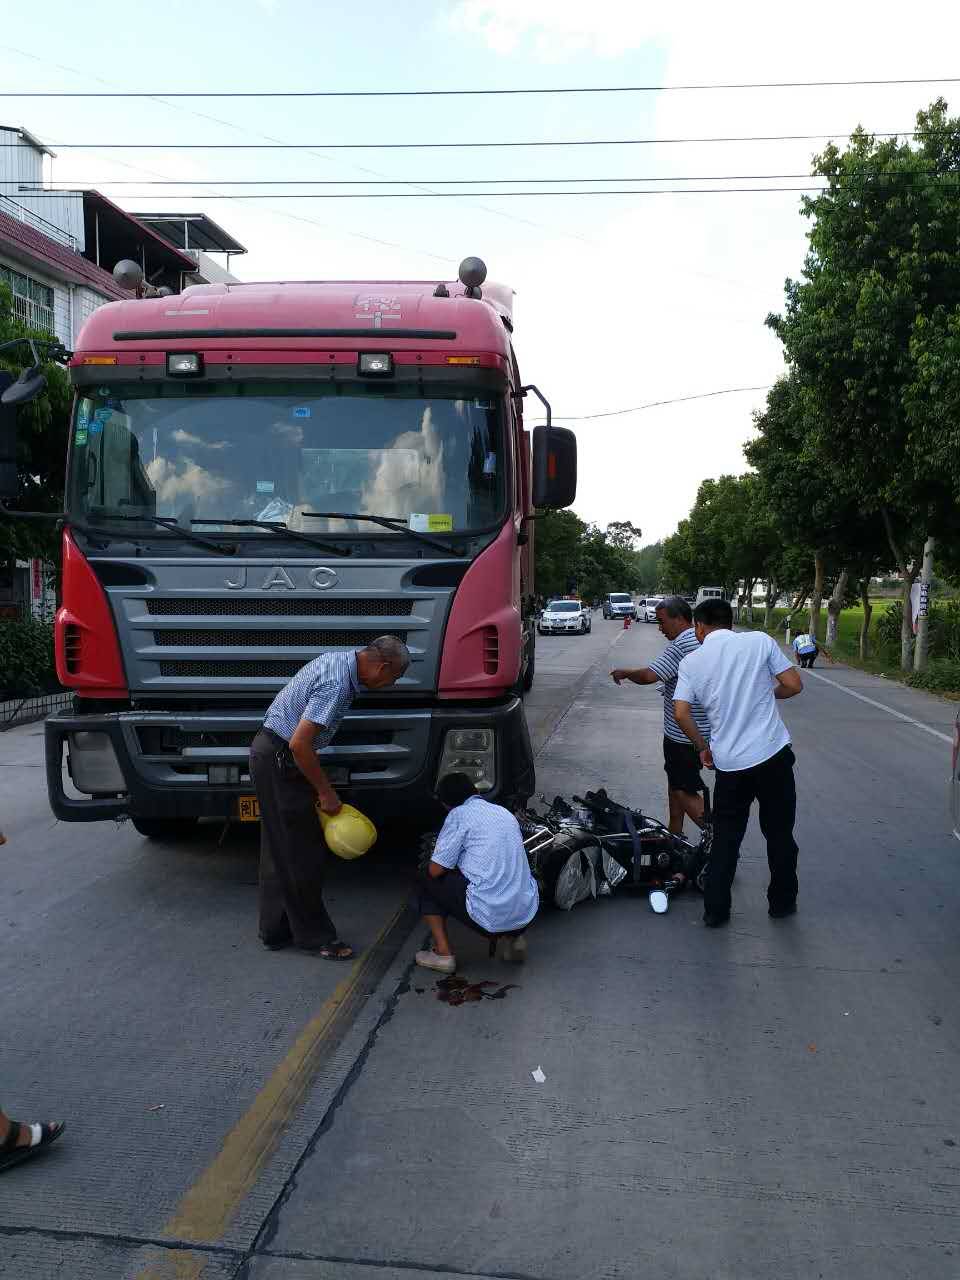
[(206, 1208)]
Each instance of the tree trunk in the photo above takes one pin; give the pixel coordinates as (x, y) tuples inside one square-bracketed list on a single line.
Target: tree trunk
[(834, 605), (921, 651), (867, 614), (816, 596), (748, 598), (908, 573), (800, 600), (772, 594)]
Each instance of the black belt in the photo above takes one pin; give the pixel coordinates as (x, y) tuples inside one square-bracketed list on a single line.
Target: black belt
[(275, 737)]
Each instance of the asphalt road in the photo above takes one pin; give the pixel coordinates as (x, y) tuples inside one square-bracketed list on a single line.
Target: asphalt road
[(775, 1098)]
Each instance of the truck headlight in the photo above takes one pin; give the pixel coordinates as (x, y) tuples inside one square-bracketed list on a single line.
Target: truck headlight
[(94, 767), (470, 751)]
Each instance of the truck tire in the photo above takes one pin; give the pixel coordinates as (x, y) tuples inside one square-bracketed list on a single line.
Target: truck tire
[(526, 683), (168, 829)]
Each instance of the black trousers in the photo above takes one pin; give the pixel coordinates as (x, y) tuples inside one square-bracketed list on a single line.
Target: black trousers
[(773, 786), (808, 659), (446, 896), (292, 849)]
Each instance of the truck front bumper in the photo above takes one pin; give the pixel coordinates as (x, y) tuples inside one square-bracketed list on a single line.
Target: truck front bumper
[(170, 764)]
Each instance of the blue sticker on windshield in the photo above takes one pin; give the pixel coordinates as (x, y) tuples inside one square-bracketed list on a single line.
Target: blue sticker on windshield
[(95, 428), (301, 411), (103, 415)]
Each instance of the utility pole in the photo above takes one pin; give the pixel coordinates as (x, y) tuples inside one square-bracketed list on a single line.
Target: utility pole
[(921, 651)]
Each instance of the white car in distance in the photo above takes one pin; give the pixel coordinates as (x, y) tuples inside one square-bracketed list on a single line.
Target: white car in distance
[(650, 607), (564, 617)]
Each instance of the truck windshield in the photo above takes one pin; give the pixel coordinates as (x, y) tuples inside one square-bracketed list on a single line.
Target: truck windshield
[(269, 451)]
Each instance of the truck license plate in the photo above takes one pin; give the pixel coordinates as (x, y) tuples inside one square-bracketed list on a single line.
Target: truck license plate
[(248, 809)]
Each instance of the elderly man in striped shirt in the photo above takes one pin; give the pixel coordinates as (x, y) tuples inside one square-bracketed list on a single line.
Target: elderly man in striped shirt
[(685, 786), (290, 781)]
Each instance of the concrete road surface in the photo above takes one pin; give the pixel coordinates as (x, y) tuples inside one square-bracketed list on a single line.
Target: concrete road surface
[(773, 1099)]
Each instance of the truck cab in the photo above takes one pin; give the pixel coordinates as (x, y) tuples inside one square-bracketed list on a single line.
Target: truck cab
[(708, 593), (261, 472)]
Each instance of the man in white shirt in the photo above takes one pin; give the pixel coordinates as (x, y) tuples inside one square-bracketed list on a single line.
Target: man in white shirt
[(806, 649), (478, 873), (737, 679)]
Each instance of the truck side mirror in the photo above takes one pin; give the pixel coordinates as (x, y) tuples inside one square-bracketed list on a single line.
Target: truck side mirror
[(8, 440), (554, 466), (26, 388)]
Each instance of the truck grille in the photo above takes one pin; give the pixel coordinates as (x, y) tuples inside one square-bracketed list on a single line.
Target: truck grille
[(298, 607), (231, 668), (275, 639)]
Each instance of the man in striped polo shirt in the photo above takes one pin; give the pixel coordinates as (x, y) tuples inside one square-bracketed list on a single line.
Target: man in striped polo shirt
[(685, 787), (290, 782)]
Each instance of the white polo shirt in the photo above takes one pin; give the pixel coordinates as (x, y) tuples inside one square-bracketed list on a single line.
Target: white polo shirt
[(732, 675)]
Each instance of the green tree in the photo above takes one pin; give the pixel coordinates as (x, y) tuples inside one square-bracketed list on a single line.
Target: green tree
[(557, 539), (649, 567), (623, 534), (880, 282), (43, 431)]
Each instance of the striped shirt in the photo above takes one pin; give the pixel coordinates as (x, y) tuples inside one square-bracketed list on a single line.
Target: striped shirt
[(484, 840), (666, 667), (321, 692)]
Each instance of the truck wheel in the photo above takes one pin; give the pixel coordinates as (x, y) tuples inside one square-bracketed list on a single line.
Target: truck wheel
[(165, 828), (527, 682)]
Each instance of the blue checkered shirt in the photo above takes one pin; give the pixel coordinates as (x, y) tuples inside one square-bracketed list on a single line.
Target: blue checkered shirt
[(666, 667), (484, 840), (321, 692)]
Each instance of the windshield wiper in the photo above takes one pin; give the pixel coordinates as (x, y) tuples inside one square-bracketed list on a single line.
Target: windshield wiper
[(388, 522), (277, 526), (166, 522)]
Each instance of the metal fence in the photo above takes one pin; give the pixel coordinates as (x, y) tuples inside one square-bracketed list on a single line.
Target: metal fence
[(16, 711)]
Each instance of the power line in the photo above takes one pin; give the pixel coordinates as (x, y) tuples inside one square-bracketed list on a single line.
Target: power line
[(229, 124), (67, 185), (658, 404), (475, 93), (456, 146), (462, 195)]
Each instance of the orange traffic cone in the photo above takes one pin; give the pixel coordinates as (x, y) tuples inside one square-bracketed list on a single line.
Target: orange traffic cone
[(626, 621)]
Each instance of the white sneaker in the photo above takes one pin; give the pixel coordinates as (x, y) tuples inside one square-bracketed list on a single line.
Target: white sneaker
[(442, 964)]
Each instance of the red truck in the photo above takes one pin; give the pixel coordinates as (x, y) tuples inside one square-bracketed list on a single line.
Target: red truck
[(259, 472)]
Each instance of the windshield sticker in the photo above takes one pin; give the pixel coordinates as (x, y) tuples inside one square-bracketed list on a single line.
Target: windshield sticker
[(302, 411), (80, 435), (276, 510), (433, 523), (96, 427), (490, 465), (483, 404), (103, 415), (264, 486)]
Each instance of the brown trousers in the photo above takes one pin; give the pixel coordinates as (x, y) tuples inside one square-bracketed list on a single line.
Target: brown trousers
[(292, 849)]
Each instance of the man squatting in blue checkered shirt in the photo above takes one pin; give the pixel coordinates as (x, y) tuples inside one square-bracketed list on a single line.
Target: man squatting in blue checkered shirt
[(685, 786), (290, 781)]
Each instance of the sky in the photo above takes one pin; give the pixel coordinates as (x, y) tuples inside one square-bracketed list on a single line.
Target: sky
[(621, 300)]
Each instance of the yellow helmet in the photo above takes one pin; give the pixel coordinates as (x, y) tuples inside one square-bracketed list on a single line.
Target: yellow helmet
[(348, 833)]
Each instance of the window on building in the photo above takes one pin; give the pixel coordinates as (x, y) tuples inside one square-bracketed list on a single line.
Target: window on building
[(32, 301)]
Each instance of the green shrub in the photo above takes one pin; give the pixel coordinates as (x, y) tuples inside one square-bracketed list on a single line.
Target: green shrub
[(26, 658), (944, 638), (941, 676), (888, 629)]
